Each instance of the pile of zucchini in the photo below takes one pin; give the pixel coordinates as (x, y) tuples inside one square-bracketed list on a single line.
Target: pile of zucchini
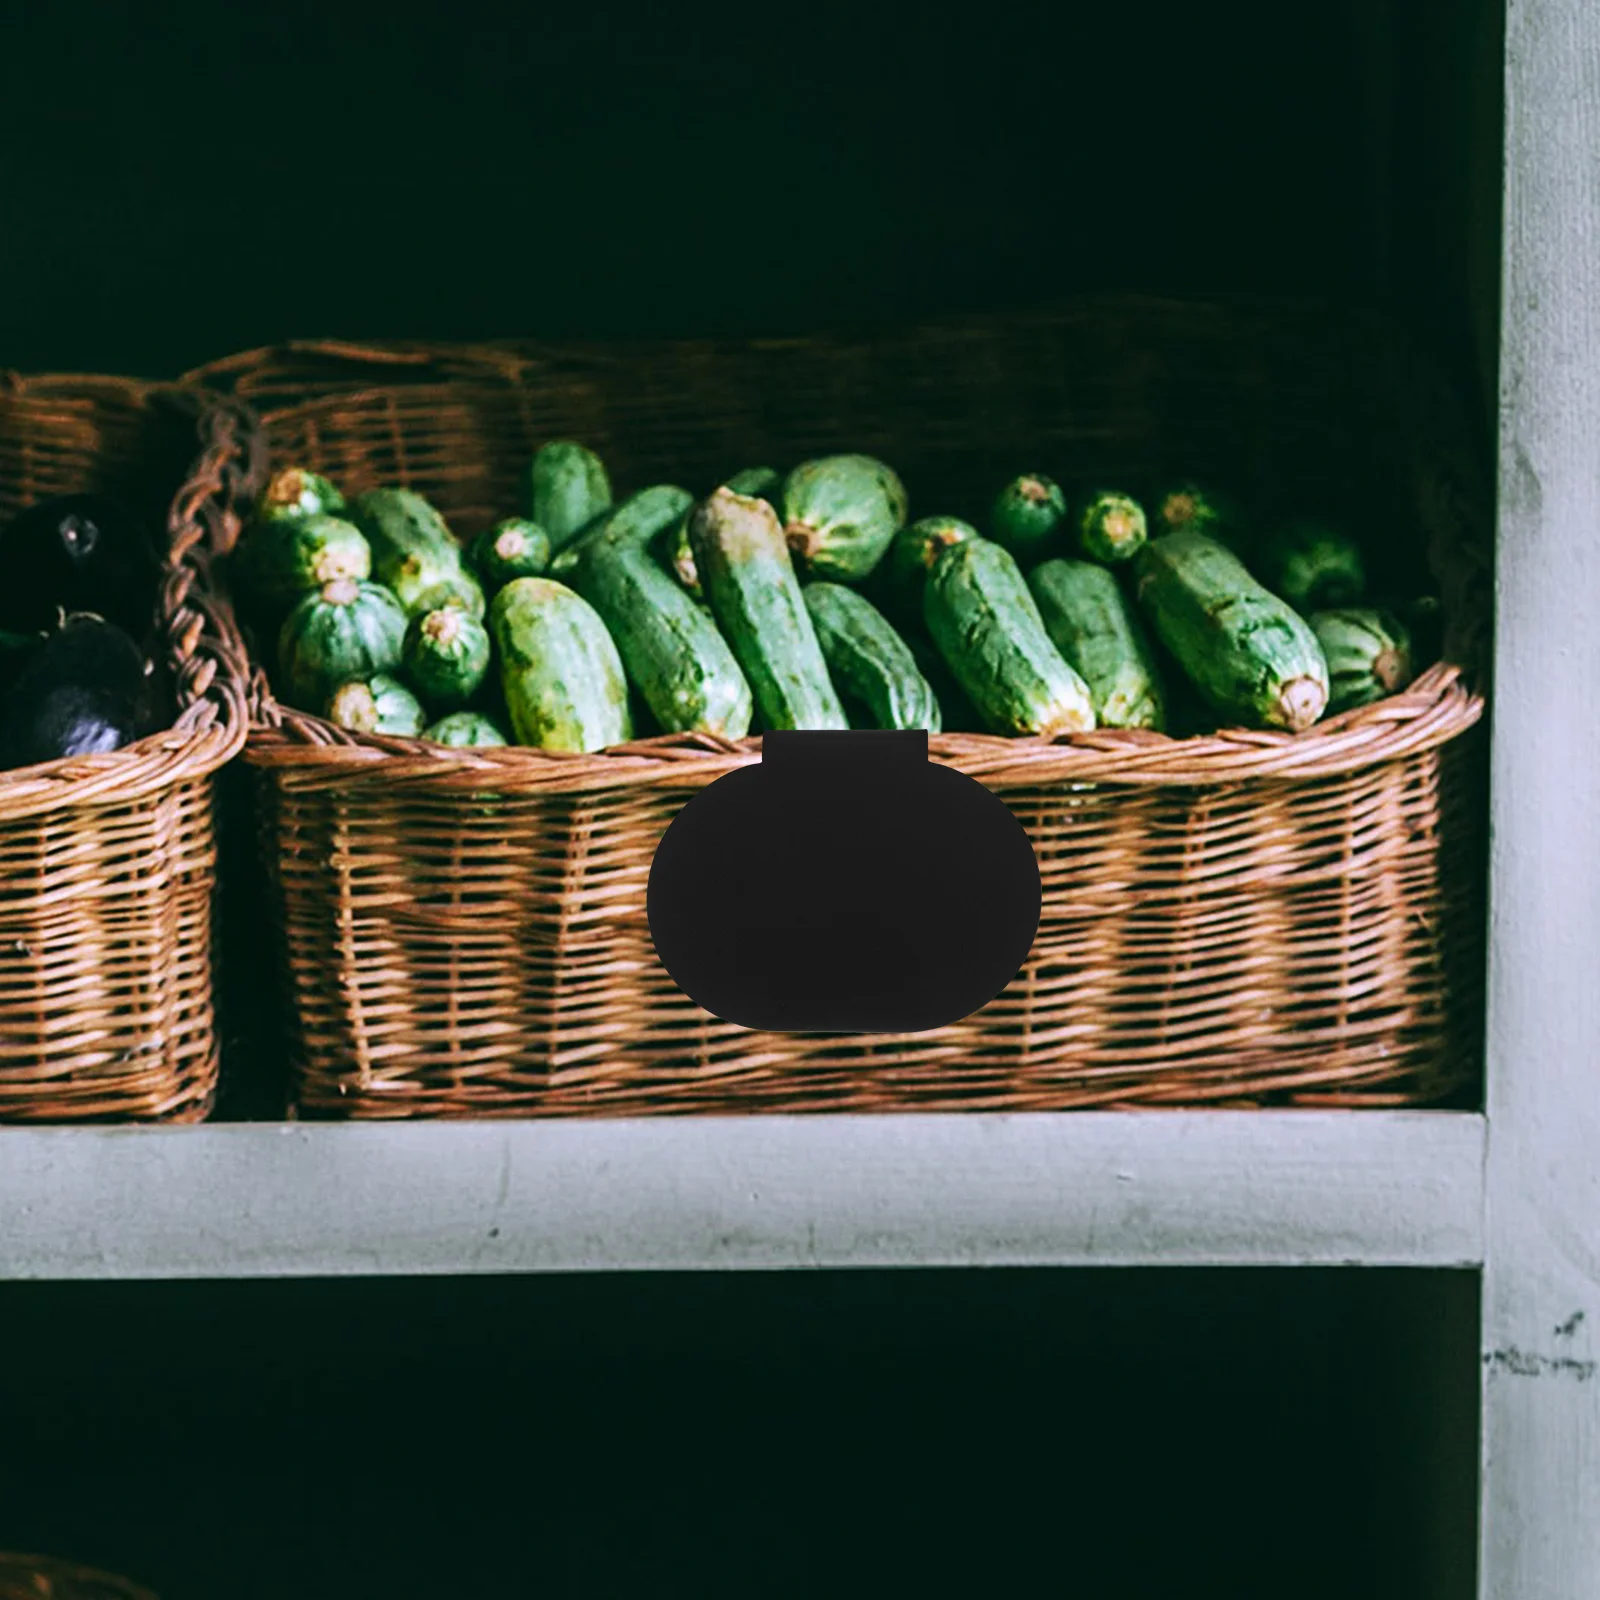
[(803, 600)]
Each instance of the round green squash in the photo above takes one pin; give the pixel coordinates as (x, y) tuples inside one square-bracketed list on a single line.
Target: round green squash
[(281, 560), (466, 730), (1312, 565), (446, 655), (911, 558), (841, 513), (380, 705), (345, 630), (1027, 515), (1111, 527), (1368, 652), (514, 548), (297, 492)]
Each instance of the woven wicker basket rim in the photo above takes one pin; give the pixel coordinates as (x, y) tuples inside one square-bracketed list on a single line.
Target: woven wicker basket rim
[(65, 1579), (307, 750), (204, 648)]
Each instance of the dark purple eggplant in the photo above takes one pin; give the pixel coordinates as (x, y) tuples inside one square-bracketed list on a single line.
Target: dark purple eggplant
[(78, 553), (86, 689)]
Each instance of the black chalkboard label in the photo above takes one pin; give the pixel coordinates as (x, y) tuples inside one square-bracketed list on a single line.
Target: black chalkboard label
[(844, 884)]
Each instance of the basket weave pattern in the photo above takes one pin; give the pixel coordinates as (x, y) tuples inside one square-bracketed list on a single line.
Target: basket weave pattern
[(25, 1577), (108, 862), (1239, 918)]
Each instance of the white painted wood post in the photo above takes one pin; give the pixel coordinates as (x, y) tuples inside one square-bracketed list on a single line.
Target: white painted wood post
[(1540, 1537)]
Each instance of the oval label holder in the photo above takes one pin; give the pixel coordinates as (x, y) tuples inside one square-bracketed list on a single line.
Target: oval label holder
[(844, 884)]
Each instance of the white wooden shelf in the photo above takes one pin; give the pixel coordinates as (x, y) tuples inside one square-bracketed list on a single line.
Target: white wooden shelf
[(1086, 1189)]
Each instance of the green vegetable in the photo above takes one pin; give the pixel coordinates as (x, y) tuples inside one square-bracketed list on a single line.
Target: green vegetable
[(870, 663), (988, 628), (672, 651), (840, 514), (672, 546), (957, 713), (1189, 507), (283, 559), (1093, 626), (1368, 652), (446, 655), (911, 557), (295, 492), (413, 552), (466, 729), (460, 590), (1111, 527), (343, 631), (565, 561), (380, 705), (759, 483), (515, 548), (563, 680), (567, 489), (1250, 655), (1312, 566), (749, 579), (1027, 515)]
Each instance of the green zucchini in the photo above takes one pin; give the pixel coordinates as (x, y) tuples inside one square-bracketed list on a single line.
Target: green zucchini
[(466, 730), (514, 548), (1111, 527), (567, 488), (748, 573), (759, 483), (869, 662), (1368, 652), (345, 630), (1313, 566), (650, 505), (957, 714), (672, 546), (675, 555), (1249, 653), (296, 492), (414, 554), (379, 705), (446, 655), (911, 557), (1027, 515), (565, 561), (671, 650), (1092, 625), (282, 559), (840, 514), (987, 626), (563, 679)]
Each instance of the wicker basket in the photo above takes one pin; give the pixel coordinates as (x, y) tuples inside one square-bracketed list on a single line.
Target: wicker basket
[(40, 1578), (1238, 919), (107, 862)]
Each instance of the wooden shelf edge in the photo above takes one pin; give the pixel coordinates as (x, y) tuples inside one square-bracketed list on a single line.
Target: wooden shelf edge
[(1207, 1188)]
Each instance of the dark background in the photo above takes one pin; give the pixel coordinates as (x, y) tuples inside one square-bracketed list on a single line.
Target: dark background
[(1111, 1434), (182, 181)]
